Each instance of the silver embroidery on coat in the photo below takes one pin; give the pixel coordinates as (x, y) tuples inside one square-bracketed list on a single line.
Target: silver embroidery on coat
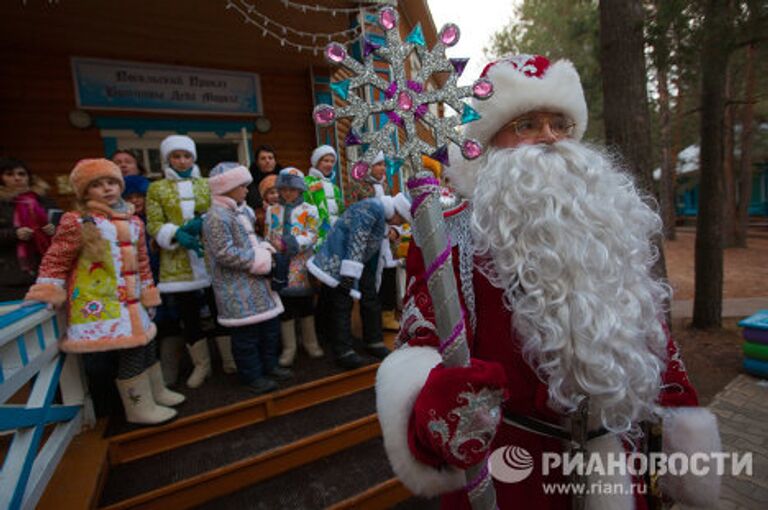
[(476, 420), (412, 320)]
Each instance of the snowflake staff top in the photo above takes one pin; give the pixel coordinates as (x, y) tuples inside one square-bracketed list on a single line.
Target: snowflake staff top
[(407, 101)]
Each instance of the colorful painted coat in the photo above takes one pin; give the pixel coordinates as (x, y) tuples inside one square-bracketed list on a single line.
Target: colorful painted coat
[(171, 202), (326, 196), (302, 227), (354, 241), (238, 262), (106, 298)]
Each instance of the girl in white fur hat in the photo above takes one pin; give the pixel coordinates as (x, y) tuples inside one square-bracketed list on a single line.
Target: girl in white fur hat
[(175, 206)]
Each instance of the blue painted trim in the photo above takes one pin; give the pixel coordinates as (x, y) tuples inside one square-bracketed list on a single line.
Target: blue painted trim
[(19, 313), (141, 126), (21, 486), (2, 376), (56, 327), (40, 337), (22, 345), (16, 417)]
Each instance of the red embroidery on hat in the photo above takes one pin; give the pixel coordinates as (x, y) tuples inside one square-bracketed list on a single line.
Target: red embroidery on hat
[(530, 65)]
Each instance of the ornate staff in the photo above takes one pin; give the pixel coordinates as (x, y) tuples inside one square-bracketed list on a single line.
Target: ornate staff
[(405, 104)]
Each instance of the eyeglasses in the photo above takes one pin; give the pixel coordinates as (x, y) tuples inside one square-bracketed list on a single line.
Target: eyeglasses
[(530, 127)]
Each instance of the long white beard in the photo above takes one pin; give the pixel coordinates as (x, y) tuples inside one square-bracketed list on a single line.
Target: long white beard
[(568, 238)]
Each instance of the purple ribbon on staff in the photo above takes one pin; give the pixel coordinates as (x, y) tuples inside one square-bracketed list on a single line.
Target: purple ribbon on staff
[(430, 235)]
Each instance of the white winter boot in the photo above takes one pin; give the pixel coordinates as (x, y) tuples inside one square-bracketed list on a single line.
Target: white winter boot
[(288, 330), (171, 349), (163, 395), (225, 351), (201, 358), (309, 338), (140, 406)]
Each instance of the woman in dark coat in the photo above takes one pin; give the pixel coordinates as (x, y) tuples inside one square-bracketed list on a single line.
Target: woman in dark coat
[(265, 164), (25, 228)]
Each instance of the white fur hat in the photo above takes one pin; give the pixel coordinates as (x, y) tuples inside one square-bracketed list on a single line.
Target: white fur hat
[(521, 83), (226, 176), (399, 203), (378, 159), (175, 143), (402, 206), (320, 153)]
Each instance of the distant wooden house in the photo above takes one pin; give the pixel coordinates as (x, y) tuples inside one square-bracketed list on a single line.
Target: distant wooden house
[(687, 184)]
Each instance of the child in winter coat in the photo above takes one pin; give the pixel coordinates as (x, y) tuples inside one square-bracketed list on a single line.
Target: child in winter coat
[(239, 263), (175, 206), (292, 230), (374, 182), (98, 265), (347, 265), (322, 192), (269, 196)]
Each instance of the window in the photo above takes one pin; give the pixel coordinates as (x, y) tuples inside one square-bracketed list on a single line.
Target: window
[(212, 148)]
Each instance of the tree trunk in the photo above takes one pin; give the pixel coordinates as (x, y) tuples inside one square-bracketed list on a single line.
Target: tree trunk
[(668, 166), (625, 103), (707, 305), (729, 183), (745, 163)]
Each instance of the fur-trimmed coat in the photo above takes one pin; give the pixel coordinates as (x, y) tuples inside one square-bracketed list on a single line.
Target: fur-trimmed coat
[(491, 338), (299, 233), (238, 262), (171, 202), (326, 196), (354, 241), (106, 298)]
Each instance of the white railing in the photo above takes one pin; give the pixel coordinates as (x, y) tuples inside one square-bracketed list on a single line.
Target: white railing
[(31, 364)]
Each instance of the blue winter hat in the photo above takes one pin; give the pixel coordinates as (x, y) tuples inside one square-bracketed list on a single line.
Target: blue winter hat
[(291, 178), (135, 185)]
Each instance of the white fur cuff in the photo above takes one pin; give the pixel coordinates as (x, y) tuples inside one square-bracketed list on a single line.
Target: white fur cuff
[(690, 430), (399, 380), (351, 268), (262, 261), (165, 235)]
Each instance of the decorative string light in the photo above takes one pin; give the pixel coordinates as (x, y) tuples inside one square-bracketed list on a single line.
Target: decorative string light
[(263, 22), (333, 10)]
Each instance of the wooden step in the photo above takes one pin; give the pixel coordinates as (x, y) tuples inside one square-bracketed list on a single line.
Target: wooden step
[(239, 475), (183, 431), (318, 485), (389, 494), (145, 475), (378, 497)]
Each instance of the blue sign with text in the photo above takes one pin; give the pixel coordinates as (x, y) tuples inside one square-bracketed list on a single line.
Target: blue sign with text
[(115, 84)]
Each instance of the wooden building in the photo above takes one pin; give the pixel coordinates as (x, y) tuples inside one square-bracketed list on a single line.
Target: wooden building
[(84, 78)]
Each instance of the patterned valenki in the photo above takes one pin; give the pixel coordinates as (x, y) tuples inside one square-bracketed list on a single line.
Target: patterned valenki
[(106, 298)]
